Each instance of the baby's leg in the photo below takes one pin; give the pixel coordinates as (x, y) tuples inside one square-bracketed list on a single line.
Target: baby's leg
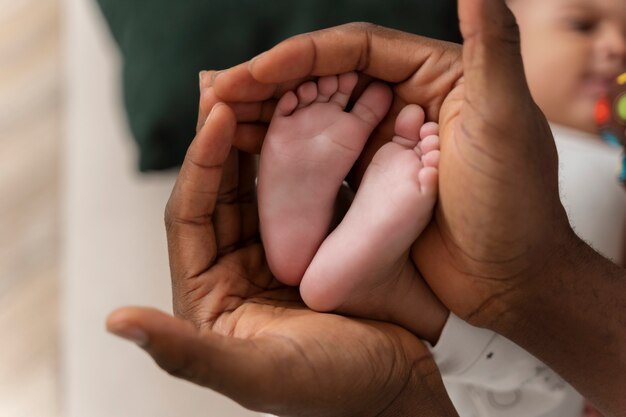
[(365, 259), (309, 149)]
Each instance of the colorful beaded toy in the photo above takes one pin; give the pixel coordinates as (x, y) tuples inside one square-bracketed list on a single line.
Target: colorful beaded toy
[(610, 117)]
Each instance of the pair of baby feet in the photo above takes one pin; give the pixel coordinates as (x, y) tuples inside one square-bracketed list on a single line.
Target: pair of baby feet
[(363, 266)]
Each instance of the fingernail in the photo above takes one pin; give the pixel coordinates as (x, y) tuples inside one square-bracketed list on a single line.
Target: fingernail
[(134, 334), (259, 56), (216, 105), (216, 74), (253, 60), (201, 76)]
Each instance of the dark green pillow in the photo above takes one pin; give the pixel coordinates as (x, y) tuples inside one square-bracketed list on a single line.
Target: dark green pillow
[(165, 44)]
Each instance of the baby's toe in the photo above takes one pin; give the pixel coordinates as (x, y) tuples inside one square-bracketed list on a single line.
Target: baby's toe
[(408, 124), (307, 93), (431, 159), (326, 87), (373, 104), (345, 85), (428, 178), (429, 144), (429, 129), (287, 104)]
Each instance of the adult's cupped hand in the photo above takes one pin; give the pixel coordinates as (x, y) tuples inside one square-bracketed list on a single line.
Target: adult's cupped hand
[(240, 332), (486, 241)]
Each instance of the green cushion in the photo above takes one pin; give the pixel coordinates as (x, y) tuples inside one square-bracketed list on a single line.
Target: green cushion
[(165, 44)]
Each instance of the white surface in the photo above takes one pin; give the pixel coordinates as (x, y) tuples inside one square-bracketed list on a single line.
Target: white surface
[(490, 376), (114, 252), (592, 196)]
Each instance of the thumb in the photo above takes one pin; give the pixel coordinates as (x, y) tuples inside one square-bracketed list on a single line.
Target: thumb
[(492, 60), (225, 364), (500, 119), (207, 100)]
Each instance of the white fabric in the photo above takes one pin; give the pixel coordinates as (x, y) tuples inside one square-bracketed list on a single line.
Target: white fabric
[(487, 375), (594, 199)]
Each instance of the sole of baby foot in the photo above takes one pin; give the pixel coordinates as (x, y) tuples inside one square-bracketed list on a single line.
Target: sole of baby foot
[(311, 144), (365, 260)]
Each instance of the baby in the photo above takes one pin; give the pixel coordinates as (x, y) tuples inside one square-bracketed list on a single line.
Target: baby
[(311, 145), (573, 50)]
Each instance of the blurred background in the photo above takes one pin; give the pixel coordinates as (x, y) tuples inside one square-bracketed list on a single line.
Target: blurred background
[(30, 153), (97, 106)]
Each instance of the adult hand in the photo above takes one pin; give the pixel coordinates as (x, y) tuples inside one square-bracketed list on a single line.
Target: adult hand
[(477, 114), (419, 70), (500, 252), (242, 333)]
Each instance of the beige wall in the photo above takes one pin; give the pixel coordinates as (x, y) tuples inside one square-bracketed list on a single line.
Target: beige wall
[(80, 231), (29, 195)]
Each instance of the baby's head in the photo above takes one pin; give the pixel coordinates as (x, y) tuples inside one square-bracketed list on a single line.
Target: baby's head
[(572, 51)]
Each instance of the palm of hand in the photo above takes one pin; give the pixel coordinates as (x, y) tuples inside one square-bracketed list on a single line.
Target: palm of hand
[(488, 159), (484, 166), (297, 349), (249, 327)]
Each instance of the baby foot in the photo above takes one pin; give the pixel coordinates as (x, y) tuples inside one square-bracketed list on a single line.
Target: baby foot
[(363, 266), (309, 148)]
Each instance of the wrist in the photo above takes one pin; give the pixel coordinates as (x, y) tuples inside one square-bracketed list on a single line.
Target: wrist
[(532, 279), (432, 323), (423, 394), (539, 287), (569, 316)]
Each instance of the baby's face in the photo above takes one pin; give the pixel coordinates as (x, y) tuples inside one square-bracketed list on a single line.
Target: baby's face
[(572, 51)]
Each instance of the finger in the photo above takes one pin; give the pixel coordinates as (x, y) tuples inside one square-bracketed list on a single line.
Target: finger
[(497, 104), (237, 85), (226, 216), (383, 53), (247, 197), (188, 214), (386, 54), (178, 347), (492, 60), (254, 112), (228, 82), (205, 107), (236, 214), (235, 367), (249, 137), (244, 112)]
